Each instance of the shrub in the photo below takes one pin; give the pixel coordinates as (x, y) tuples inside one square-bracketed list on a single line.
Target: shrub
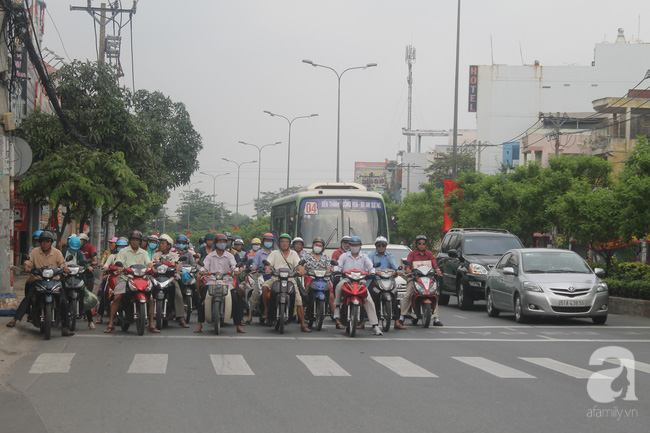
[(636, 289)]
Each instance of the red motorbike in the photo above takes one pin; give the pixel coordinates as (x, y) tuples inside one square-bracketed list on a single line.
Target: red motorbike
[(133, 305), (353, 298), (109, 287), (425, 294)]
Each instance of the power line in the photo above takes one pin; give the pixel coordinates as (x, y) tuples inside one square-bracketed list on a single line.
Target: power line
[(57, 32)]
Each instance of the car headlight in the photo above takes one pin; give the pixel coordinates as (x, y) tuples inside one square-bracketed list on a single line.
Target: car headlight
[(532, 287), (602, 287), (475, 268)]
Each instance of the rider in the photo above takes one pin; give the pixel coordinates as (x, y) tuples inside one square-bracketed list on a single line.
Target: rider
[(317, 259), (260, 256), (166, 254), (101, 309), (355, 259), (35, 242), (207, 248), (419, 256), (73, 250), (133, 255), (256, 244), (109, 251), (91, 257), (221, 260), (231, 239), (43, 255), (238, 249), (344, 248), (152, 245), (284, 258), (298, 246), (386, 261)]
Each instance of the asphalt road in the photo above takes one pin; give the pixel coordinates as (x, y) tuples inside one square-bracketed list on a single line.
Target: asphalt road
[(474, 374)]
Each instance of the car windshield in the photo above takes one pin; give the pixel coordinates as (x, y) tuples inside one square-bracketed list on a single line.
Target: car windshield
[(554, 262), (489, 245)]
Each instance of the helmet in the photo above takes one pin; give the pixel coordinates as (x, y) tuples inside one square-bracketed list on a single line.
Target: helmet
[(37, 233), (256, 241), (112, 240), (201, 239), (46, 235), (420, 238), (381, 240), (136, 234), (269, 236), (318, 239), (221, 237), (122, 242), (84, 237), (209, 236), (345, 238), (167, 238), (239, 241), (297, 239), (285, 236), (229, 236), (153, 238), (355, 240), (74, 243), (182, 239)]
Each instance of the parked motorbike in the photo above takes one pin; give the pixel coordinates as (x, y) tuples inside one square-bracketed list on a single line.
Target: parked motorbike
[(425, 294), (45, 312), (163, 291), (319, 287), (133, 305), (73, 285), (386, 289), (218, 298), (353, 298), (282, 289)]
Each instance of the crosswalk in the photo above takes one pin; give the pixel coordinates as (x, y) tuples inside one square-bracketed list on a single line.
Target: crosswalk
[(326, 366)]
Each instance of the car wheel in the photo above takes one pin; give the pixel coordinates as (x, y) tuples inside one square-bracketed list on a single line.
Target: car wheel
[(464, 302), (519, 310), (491, 310), (443, 299), (599, 320)]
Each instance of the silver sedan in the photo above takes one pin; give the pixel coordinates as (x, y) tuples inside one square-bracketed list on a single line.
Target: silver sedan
[(546, 282)]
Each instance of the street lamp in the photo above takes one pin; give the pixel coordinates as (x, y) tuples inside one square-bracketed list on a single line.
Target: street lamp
[(290, 122), (214, 190), (238, 164), (338, 123), (259, 169), (189, 190)]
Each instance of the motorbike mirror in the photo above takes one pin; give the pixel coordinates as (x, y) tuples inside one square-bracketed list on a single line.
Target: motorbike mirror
[(249, 262), (119, 265), (266, 263), (334, 263), (302, 262), (377, 265), (196, 256), (183, 259), (406, 262), (69, 257)]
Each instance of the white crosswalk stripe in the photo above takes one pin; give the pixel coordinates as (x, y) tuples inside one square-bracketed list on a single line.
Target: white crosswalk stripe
[(149, 363), (322, 365), (561, 367), (637, 365), (494, 368), (231, 365), (52, 363), (402, 366)]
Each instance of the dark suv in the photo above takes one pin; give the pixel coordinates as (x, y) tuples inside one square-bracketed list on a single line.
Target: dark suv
[(464, 258)]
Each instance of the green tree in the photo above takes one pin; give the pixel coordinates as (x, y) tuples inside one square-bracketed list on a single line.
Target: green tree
[(441, 167), (263, 206), (633, 190), (421, 213)]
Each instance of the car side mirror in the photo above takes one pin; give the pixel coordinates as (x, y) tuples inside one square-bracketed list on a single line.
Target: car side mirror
[(509, 271), (600, 272), (453, 253)]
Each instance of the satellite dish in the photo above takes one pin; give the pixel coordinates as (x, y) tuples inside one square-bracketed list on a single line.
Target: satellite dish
[(22, 156)]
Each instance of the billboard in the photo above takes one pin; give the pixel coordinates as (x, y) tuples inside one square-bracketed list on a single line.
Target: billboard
[(473, 89), (372, 175)]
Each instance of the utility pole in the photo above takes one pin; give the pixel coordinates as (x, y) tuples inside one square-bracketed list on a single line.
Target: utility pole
[(6, 217), (410, 59), (557, 125), (454, 163)]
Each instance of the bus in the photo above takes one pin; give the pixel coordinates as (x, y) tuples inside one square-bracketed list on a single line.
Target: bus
[(331, 211)]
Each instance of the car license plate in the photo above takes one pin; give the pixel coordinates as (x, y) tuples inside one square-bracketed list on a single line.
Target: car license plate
[(572, 303)]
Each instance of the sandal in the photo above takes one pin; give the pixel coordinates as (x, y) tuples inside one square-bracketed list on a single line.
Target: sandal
[(153, 330), (197, 331), (248, 322), (11, 324), (183, 325), (99, 321), (109, 329), (305, 329), (339, 325)]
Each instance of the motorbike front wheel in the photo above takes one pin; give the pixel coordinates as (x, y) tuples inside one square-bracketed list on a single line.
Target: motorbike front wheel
[(160, 313), (281, 317), (354, 319), (426, 314), (187, 301), (47, 317), (386, 315), (216, 317), (73, 313), (142, 316), (320, 314)]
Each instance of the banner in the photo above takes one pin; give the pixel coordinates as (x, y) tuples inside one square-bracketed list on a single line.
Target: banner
[(450, 186)]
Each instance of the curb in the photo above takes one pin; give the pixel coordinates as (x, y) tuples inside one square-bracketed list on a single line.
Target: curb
[(629, 307)]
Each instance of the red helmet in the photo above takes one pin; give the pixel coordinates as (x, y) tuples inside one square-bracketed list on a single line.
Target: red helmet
[(220, 237), (268, 236)]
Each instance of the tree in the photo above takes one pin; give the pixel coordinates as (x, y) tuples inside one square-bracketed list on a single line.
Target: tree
[(441, 167), (633, 190), (421, 213), (263, 206)]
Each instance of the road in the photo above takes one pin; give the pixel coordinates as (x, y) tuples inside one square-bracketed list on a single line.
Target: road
[(474, 374)]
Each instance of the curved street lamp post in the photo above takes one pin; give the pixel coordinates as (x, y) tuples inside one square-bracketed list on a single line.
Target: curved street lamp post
[(214, 190), (259, 167), (238, 164), (189, 203)]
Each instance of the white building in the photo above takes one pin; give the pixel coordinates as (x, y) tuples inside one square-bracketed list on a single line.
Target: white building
[(510, 98)]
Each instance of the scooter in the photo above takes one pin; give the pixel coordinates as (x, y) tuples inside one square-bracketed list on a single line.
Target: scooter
[(425, 294), (163, 291), (385, 287), (283, 289), (319, 287), (218, 298), (133, 305), (353, 297), (44, 305), (188, 289), (73, 285)]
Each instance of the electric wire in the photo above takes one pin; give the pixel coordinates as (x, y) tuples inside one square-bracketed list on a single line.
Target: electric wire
[(57, 32)]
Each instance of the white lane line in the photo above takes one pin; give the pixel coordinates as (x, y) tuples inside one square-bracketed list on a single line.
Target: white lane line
[(52, 363), (149, 363), (561, 367), (638, 366), (494, 368), (322, 365), (402, 366), (231, 365), (460, 317)]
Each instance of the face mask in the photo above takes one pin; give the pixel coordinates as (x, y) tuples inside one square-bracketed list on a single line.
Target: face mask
[(221, 245), (119, 249), (345, 247), (180, 246), (153, 246), (318, 250), (256, 248), (355, 250), (268, 245)]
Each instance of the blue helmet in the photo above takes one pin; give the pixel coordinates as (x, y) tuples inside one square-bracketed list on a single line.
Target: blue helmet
[(355, 240), (37, 234), (121, 243), (74, 243), (182, 239)]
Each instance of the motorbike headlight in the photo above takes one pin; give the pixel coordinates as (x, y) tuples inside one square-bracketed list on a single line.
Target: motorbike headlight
[(319, 273), (475, 268), (74, 270), (48, 273), (355, 275), (420, 289), (532, 287), (284, 274), (139, 272), (162, 269), (602, 287)]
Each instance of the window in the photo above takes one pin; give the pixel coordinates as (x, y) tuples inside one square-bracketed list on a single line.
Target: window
[(445, 243), (503, 261)]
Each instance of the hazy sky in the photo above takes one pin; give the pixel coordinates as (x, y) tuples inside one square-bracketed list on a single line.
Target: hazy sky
[(228, 61)]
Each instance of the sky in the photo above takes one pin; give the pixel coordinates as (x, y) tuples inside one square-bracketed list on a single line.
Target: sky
[(229, 61)]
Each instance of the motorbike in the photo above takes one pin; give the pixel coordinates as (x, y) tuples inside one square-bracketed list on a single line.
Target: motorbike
[(73, 285), (252, 282), (133, 304), (163, 291), (45, 310), (425, 294), (353, 298), (283, 290), (319, 287), (385, 287), (219, 300), (188, 289)]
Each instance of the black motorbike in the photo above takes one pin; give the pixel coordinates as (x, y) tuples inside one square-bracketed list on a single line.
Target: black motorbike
[(74, 287), (45, 312), (163, 291), (280, 294), (188, 289)]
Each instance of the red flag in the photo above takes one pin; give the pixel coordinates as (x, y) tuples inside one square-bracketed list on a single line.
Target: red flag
[(450, 185)]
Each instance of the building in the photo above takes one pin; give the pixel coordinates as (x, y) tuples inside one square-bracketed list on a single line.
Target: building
[(508, 99)]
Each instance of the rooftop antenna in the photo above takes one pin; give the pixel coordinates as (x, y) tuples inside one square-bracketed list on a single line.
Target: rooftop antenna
[(521, 54), (491, 50), (410, 59)]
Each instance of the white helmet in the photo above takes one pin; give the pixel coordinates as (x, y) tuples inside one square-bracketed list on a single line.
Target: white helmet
[(84, 237), (297, 239), (381, 240), (167, 238)]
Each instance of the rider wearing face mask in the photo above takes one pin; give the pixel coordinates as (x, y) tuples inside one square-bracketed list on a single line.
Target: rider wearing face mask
[(263, 253), (152, 245), (317, 259), (166, 254), (256, 244), (345, 247)]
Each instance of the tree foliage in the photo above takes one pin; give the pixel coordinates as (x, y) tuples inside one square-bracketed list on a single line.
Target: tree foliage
[(633, 190), (441, 167), (263, 206), (421, 213)]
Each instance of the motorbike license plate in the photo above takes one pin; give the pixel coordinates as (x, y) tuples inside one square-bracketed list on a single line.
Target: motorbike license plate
[(572, 303), (400, 295)]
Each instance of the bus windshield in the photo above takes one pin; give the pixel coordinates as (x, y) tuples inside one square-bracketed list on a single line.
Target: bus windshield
[(363, 217)]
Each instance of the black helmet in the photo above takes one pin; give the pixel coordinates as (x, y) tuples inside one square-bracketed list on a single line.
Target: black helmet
[(46, 235), (229, 236), (136, 234), (319, 239)]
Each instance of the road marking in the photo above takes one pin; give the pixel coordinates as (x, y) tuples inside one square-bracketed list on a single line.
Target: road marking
[(231, 365), (638, 366), (561, 367), (494, 368), (52, 363), (402, 366), (322, 365), (460, 317), (149, 363)]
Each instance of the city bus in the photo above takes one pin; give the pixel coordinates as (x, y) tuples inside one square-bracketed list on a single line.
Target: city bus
[(331, 211)]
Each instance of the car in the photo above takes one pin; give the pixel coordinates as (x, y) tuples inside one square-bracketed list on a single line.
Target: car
[(546, 282), (399, 252), (464, 257)]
